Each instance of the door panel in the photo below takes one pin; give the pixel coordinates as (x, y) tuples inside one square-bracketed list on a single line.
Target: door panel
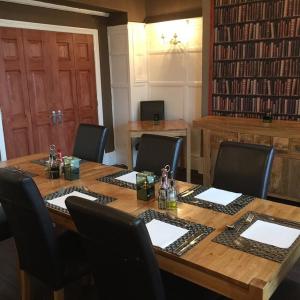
[(43, 72), (40, 85), (65, 92), (85, 78), (14, 99)]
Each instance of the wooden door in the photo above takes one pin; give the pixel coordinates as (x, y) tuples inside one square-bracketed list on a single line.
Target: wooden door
[(14, 99), (65, 98), (85, 78), (38, 57)]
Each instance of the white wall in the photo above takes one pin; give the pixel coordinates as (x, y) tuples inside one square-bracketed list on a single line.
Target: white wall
[(175, 72), (147, 67), (120, 86)]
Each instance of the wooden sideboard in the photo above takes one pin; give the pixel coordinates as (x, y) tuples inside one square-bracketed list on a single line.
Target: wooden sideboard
[(283, 135)]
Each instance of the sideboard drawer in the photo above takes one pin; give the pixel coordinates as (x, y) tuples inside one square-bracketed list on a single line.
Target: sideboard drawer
[(281, 144), (262, 140), (216, 138), (294, 146)]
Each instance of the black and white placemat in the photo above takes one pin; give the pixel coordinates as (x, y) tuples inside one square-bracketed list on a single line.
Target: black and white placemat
[(21, 171), (194, 230), (231, 237), (102, 199), (230, 209), (111, 178), (43, 161)]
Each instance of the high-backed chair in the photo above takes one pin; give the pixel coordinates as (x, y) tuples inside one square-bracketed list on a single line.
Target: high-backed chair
[(54, 259), (4, 227), (244, 168), (156, 151), (122, 257), (149, 111), (119, 250), (90, 142)]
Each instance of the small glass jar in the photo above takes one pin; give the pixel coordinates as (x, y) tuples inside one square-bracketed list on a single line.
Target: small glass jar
[(71, 168), (145, 187)]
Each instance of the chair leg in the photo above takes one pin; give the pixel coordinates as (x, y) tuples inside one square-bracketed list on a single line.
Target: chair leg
[(59, 295), (25, 285)]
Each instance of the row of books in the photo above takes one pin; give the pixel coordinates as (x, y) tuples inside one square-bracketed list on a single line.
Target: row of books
[(267, 49), (287, 87), (255, 115), (256, 31), (257, 68), (252, 11), (257, 105)]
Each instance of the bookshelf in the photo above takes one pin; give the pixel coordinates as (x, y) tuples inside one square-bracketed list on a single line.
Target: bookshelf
[(256, 58)]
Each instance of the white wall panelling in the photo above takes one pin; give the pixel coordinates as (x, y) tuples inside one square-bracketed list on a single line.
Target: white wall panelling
[(119, 72), (156, 70)]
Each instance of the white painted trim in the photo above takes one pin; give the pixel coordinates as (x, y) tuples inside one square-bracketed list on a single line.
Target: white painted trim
[(2, 142), (69, 29), (59, 7)]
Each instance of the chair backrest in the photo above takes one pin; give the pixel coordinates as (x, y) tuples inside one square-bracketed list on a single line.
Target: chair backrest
[(148, 110), (4, 227), (30, 225), (119, 250), (244, 168), (90, 142), (156, 151)]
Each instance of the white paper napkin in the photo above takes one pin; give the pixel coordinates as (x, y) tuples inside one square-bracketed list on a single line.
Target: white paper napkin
[(271, 234), (163, 234), (60, 201), (218, 196), (130, 177)]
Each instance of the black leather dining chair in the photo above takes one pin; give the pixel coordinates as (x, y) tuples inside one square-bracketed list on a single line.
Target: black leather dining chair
[(156, 151), (149, 111), (4, 227), (54, 259), (244, 168), (122, 257), (90, 142)]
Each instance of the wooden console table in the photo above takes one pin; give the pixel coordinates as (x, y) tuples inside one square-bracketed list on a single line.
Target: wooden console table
[(169, 128), (283, 135)]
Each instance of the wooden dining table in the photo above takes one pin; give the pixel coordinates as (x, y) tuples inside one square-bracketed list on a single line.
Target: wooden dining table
[(230, 272)]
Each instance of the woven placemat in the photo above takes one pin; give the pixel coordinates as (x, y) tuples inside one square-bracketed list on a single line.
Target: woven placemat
[(21, 171), (231, 237), (111, 178), (230, 209), (43, 161), (102, 199), (194, 230)]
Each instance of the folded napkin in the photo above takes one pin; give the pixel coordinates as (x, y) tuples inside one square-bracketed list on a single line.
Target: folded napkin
[(163, 234), (129, 177), (60, 201), (271, 234), (218, 196)]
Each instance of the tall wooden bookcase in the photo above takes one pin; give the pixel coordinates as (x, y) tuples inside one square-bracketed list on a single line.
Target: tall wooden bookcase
[(255, 63)]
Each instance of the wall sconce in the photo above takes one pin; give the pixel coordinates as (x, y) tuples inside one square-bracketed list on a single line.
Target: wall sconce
[(173, 41)]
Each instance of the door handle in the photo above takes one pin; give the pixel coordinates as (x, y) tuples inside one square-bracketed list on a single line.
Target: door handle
[(53, 117), (59, 117)]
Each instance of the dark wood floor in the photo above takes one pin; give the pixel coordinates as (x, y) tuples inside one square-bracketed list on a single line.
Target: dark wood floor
[(9, 283)]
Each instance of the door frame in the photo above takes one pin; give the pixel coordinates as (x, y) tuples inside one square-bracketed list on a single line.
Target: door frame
[(67, 29)]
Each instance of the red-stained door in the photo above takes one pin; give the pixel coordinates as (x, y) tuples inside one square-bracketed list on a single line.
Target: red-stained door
[(49, 87), (14, 98)]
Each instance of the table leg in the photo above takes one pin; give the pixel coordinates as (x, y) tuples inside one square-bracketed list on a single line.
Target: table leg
[(188, 155), (129, 153), (25, 285)]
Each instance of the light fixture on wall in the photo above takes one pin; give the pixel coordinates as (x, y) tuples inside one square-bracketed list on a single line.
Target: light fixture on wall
[(175, 33), (174, 39)]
